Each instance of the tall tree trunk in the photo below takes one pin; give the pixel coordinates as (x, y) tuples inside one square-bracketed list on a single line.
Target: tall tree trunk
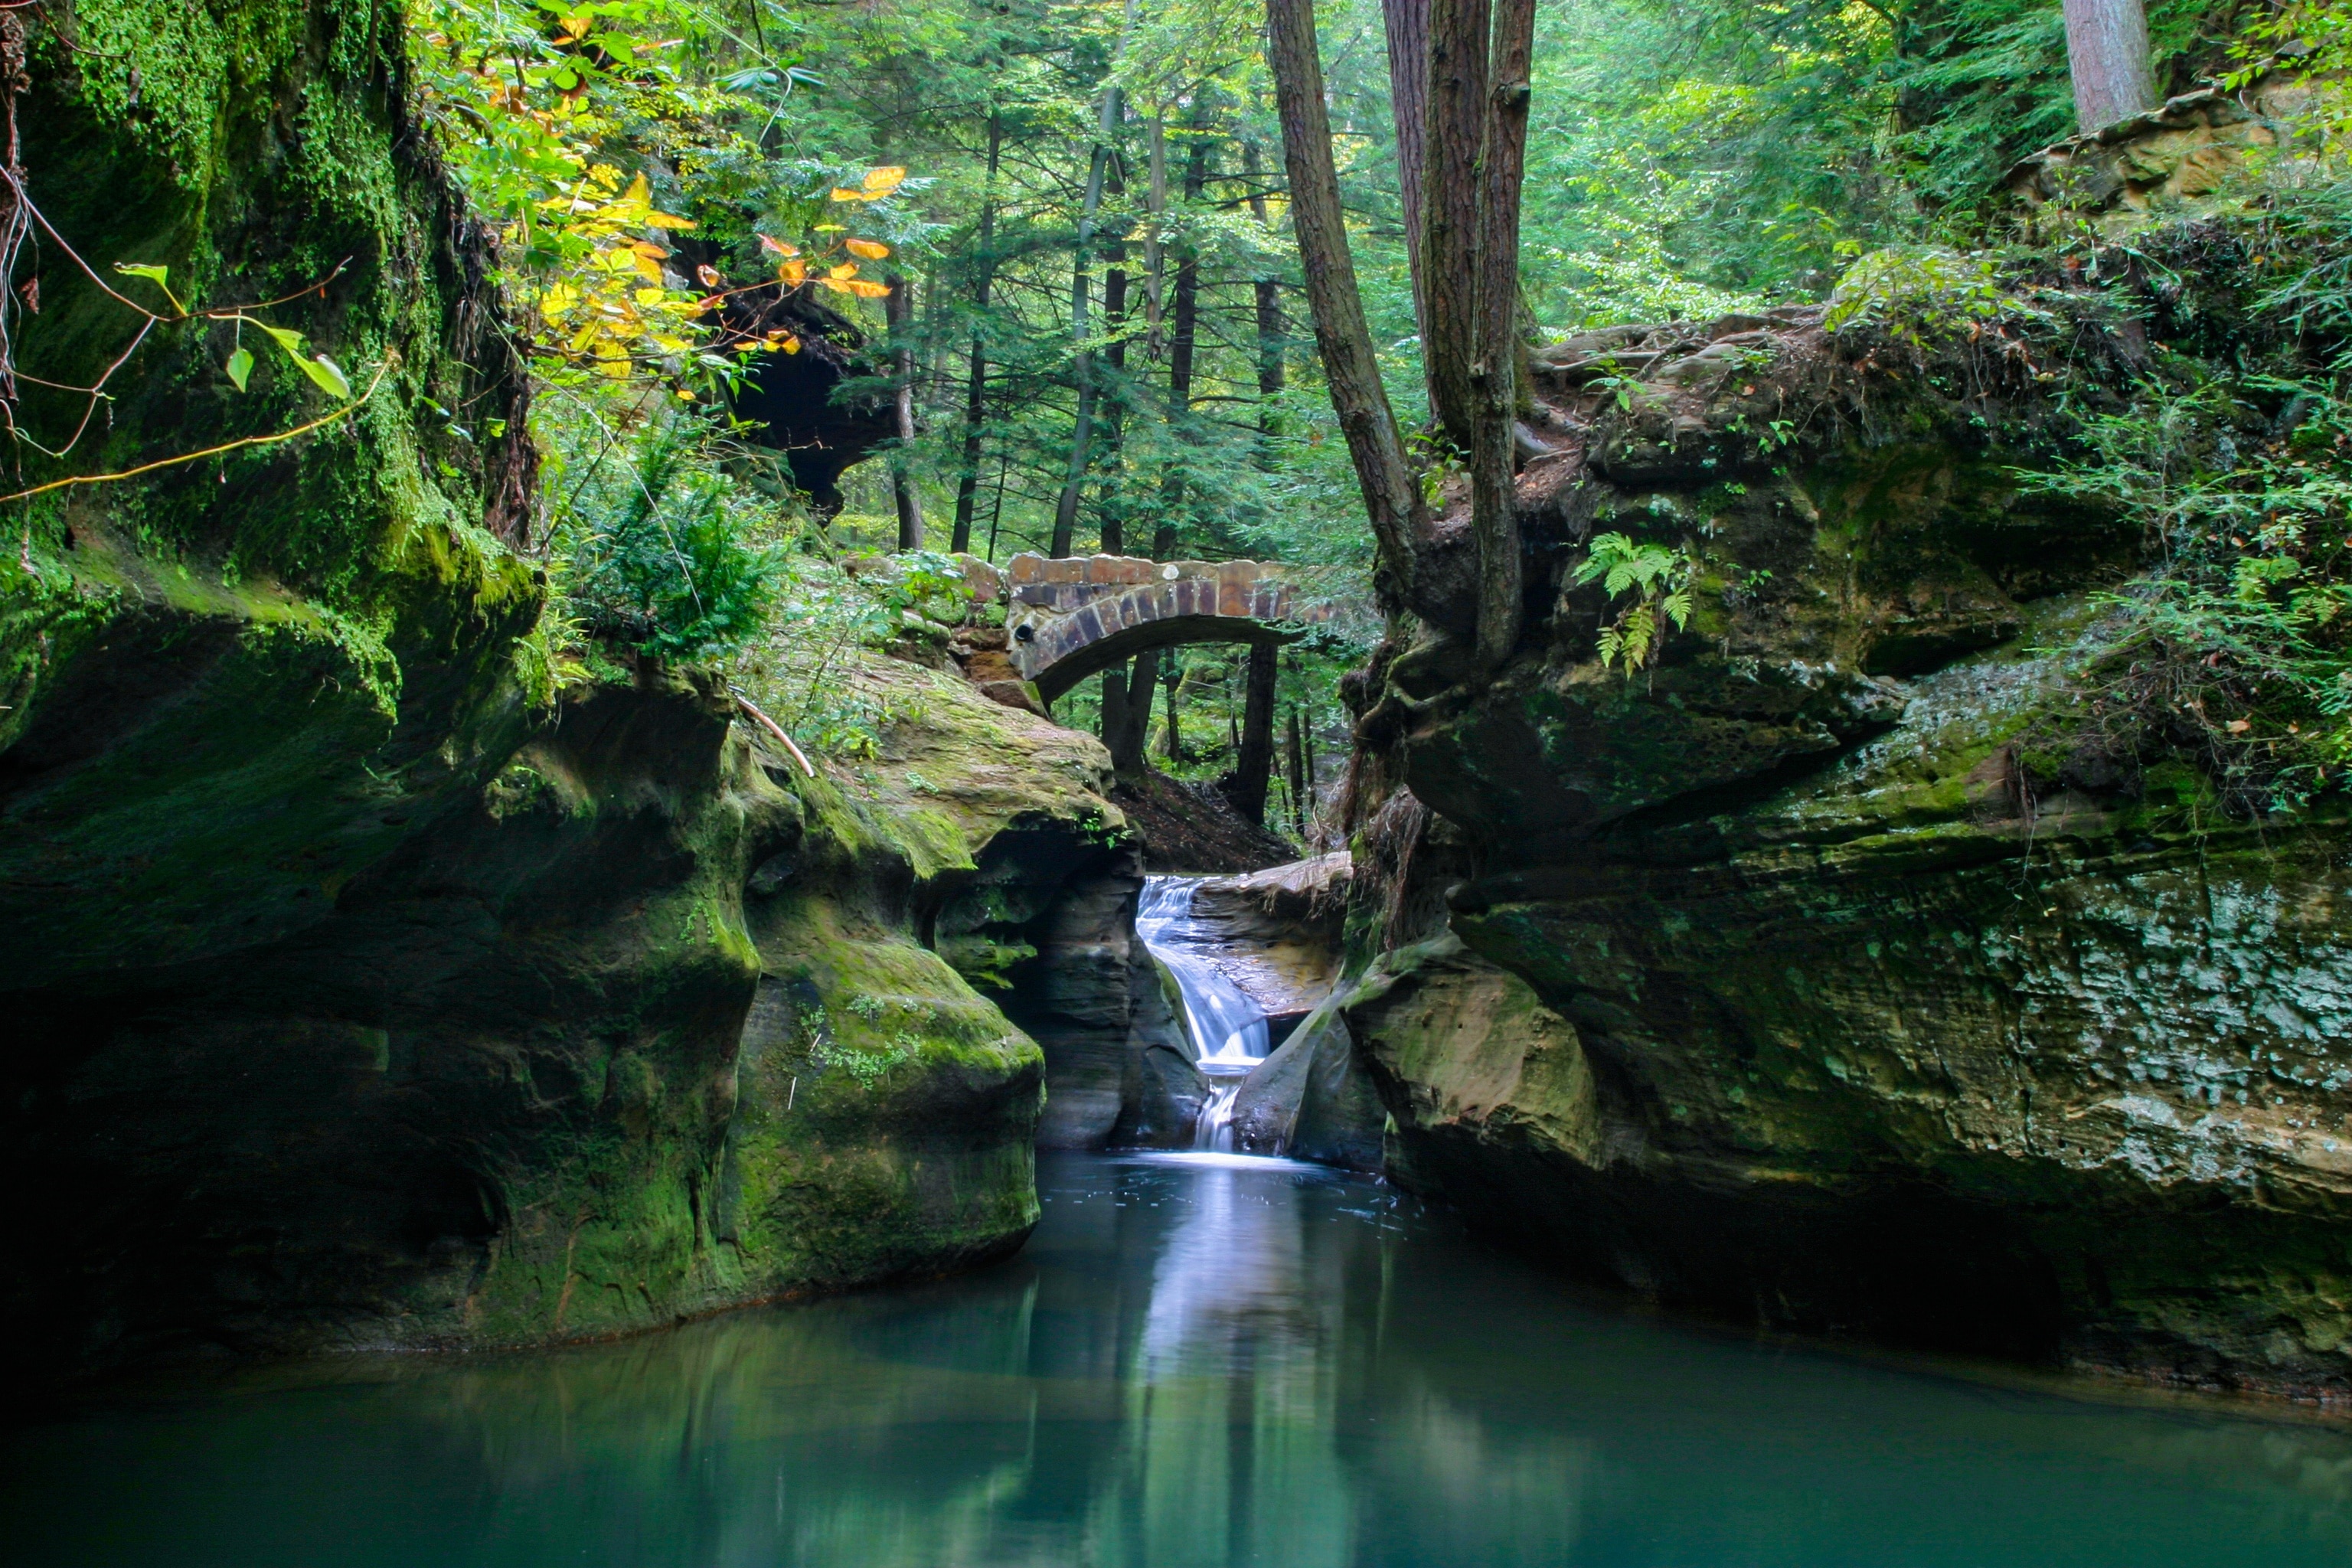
[(1175, 682), (1113, 541), (1408, 29), (976, 403), (1493, 520), (2106, 51), (1065, 510), (1458, 114), (1183, 339), (897, 309), (1307, 756), (1392, 496), (1269, 316), (1183, 321), (1298, 782), (1128, 736), (1254, 762), (1155, 242)]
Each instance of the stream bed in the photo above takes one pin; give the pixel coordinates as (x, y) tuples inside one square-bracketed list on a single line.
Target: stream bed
[(1199, 1359)]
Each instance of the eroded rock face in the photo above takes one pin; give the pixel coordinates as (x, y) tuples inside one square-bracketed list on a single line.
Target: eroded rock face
[(1831, 974), (362, 996), (1275, 933)]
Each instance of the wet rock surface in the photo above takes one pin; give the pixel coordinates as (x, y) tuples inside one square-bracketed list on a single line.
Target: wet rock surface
[(1828, 975), (372, 993)]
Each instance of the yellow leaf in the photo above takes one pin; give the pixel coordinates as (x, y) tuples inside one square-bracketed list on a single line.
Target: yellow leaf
[(882, 182), (647, 268), (846, 269), (873, 250), (865, 289), (639, 190), (618, 369), (841, 195), (667, 220), (649, 296), (835, 284), (791, 346), (648, 248), (791, 274)]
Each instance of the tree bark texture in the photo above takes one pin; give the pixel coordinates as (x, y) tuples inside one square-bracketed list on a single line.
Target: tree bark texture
[(1174, 680), (1494, 519), (1457, 119), (1126, 745), (2108, 54), (1392, 496), (1184, 315), (897, 309), (1155, 246), (1300, 787), (1065, 510), (1270, 327), (1254, 758), (1407, 23), (1113, 397), (975, 402)]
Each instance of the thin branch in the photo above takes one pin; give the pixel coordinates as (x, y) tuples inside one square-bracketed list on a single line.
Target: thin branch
[(222, 450)]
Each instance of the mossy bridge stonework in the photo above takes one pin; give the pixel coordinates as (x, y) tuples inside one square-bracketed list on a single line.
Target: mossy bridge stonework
[(1074, 616)]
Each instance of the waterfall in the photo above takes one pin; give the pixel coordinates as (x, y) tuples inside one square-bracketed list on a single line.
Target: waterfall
[(1228, 1031)]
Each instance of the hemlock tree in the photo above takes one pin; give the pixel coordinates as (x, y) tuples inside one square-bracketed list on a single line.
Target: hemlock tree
[(2107, 56)]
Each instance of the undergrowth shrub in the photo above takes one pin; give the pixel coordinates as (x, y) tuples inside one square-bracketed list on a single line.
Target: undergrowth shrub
[(664, 554), (2236, 645)]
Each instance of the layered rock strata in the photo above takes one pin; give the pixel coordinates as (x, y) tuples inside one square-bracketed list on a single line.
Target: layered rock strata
[(367, 989), (1842, 972)]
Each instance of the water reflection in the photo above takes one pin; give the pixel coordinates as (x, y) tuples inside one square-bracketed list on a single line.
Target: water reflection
[(1199, 1361)]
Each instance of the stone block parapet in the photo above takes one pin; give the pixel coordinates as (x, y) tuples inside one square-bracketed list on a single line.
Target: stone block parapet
[(1067, 618)]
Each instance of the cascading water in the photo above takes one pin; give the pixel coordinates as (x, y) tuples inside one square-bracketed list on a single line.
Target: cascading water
[(1228, 1030)]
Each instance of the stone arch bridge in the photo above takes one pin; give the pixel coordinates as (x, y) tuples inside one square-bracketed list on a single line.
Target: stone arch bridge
[(1068, 619)]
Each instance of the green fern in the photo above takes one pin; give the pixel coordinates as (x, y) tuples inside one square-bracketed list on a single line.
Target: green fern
[(1657, 575)]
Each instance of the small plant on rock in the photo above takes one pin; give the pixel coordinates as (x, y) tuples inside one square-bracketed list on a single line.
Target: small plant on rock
[(1659, 578)]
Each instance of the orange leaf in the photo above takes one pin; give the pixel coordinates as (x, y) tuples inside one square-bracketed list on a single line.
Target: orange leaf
[(778, 248), (846, 269), (710, 275), (791, 274), (873, 250), (835, 284), (865, 289), (882, 182)]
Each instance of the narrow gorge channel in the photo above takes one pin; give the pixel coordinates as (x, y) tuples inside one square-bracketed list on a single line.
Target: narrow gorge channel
[(1226, 1027), (1198, 1361), (807, 785)]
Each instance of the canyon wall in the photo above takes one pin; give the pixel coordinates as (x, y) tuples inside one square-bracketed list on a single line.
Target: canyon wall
[(368, 989), (1860, 966)]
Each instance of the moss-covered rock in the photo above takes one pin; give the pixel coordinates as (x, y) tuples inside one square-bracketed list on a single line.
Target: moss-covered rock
[(1830, 974), (365, 998)]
